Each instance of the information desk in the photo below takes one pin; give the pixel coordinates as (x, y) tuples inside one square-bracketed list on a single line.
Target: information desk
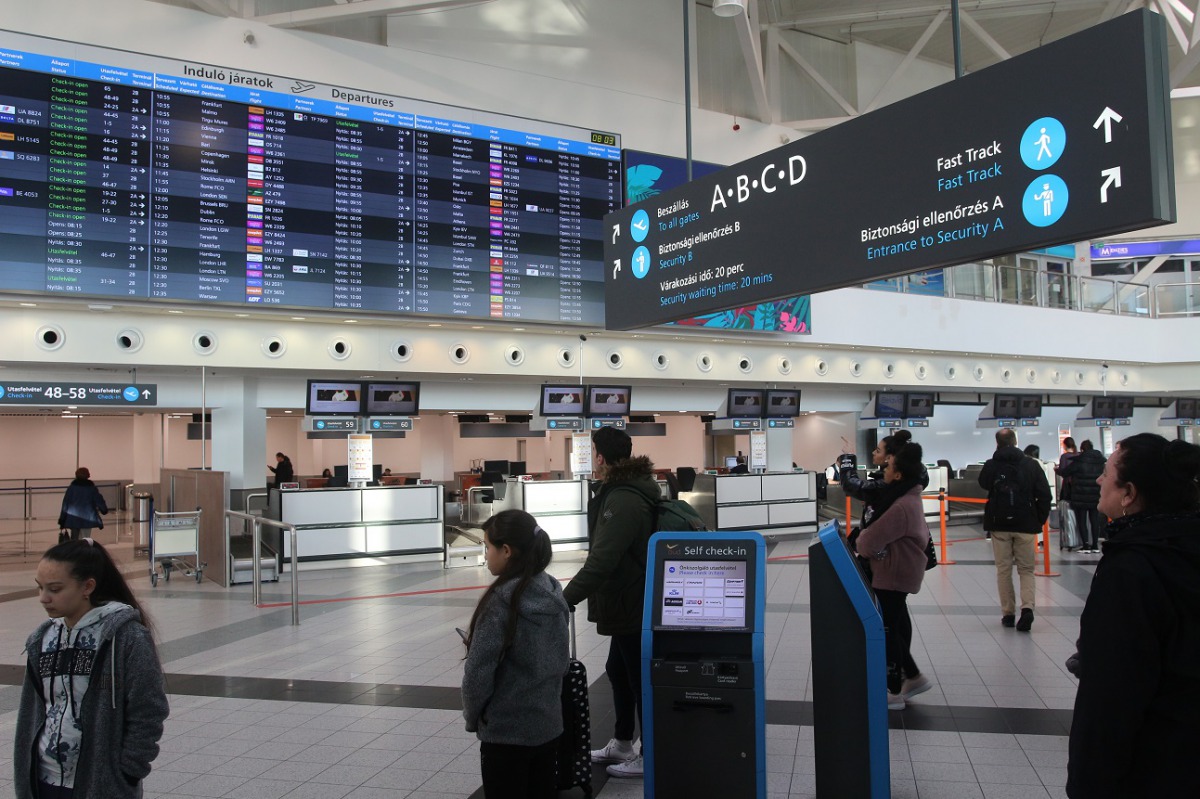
[(343, 524), (560, 507), (775, 503)]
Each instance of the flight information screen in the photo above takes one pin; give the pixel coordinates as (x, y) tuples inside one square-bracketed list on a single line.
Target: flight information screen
[(127, 176)]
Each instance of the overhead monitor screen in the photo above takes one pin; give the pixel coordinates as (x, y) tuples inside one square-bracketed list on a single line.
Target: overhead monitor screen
[(704, 594), (1030, 406), (142, 178), (1185, 408), (1122, 407), (889, 405), (561, 401), (393, 399), (1006, 406), (744, 403), (918, 405), (608, 400), (333, 397), (1103, 408), (783, 402)]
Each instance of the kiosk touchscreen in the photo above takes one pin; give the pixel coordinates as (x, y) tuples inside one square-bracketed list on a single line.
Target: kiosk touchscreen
[(703, 686), (849, 674)]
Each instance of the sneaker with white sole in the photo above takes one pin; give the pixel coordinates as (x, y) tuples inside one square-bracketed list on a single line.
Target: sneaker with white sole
[(915, 685), (632, 768), (895, 701), (613, 752)]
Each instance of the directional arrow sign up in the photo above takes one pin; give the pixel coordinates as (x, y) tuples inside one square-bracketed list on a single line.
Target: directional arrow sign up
[(1065, 143)]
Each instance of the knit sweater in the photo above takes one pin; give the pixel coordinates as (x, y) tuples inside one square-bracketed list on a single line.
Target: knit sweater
[(92, 706), (514, 696)]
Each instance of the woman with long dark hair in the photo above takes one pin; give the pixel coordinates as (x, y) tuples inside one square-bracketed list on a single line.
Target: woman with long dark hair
[(1134, 732), (93, 702), (516, 659), (82, 506)]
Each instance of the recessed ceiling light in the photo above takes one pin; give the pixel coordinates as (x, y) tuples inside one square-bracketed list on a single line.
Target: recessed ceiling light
[(287, 411), (27, 304), (435, 325), (241, 315), (171, 310), (350, 321), (298, 318)]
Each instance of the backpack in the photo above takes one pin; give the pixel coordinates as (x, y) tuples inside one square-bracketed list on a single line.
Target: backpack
[(676, 515), (1010, 503)]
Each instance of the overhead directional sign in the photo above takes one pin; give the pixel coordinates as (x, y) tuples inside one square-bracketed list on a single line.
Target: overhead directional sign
[(119, 395), (1068, 142)]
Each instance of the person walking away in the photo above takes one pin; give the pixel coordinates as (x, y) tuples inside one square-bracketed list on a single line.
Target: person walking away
[(1018, 505), (895, 544), (517, 653), (82, 506), (92, 701), (1134, 732), (613, 580), (1083, 472), (282, 469)]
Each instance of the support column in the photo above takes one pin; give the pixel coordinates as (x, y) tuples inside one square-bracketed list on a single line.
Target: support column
[(239, 434)]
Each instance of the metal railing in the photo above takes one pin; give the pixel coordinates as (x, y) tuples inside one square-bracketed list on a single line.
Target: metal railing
[(258, 522), (1022, 285)]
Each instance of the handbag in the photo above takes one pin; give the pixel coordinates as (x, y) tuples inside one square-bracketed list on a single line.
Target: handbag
[(64, 535), (930, 555), (1068, 535)]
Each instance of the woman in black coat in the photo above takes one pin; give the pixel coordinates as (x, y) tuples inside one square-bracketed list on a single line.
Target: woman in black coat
[(282, 469), (1134, 733)]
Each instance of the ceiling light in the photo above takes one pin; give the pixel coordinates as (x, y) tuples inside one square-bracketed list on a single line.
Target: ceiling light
[(27, 304), (298, 318), (171, 310), (729, 8)]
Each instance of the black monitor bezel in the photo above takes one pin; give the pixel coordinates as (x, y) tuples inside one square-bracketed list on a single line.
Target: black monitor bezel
[(1104, 407), (547, 388), (1121, 404), (736, 411), (792, 411), (1016, 406), (1186, 403), (589, 400), (411, 385), (908, 404), (1021, 411), (889, 413)]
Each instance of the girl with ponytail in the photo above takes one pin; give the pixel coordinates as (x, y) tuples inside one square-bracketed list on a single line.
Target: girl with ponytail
[(93, 701), (516, 659)]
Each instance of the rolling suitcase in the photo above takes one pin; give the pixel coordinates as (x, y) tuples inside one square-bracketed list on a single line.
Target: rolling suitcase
[(575, 746)]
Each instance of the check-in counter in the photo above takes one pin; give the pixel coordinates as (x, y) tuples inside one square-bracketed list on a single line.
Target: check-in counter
[(560, 506), (775, 503), (336, 526)]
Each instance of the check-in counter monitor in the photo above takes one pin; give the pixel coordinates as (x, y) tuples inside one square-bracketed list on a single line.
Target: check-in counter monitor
[(703, 685)]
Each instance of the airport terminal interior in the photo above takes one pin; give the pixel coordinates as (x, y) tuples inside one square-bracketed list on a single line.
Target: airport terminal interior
[(265, 298)]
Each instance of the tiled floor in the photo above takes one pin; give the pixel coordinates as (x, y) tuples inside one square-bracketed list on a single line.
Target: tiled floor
[(361, 700)]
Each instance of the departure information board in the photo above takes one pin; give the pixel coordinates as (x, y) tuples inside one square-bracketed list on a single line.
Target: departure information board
[(127, 176), (1064, 143)]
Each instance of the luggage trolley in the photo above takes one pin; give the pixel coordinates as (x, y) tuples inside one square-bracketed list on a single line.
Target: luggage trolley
[(174, 536)]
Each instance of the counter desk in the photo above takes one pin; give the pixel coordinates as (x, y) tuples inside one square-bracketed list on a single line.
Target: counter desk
[(560, 507), (773, 503), (359, 526)]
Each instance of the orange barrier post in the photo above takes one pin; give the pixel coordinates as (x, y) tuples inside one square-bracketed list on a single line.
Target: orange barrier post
[(1046, 551), (943, 560), (849, 515)]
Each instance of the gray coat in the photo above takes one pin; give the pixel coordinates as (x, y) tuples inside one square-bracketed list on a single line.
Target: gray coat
[(122, 712), (515, 697)]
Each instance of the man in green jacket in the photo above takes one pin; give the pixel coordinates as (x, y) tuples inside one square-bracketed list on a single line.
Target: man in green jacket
[(613, 580)]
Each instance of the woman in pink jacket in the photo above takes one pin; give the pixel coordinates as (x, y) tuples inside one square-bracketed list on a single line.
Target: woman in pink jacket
[(895, 545)]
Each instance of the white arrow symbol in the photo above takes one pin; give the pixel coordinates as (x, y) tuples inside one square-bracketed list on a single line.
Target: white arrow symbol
[(1107, 118), (146, 394), (616, 268), (1113, 179), (616, 232)]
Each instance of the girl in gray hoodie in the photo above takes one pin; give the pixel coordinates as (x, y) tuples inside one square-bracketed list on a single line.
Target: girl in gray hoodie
[(93, 702), (516, 659)]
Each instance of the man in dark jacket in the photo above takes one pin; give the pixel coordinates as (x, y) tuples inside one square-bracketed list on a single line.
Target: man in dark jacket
[(1083, 470), (1018, 505), (613, 579)]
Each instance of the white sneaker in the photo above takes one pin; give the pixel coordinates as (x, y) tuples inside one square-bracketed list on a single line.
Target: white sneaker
[(613, 752), (916, 685), (895, 701), (631, 768)]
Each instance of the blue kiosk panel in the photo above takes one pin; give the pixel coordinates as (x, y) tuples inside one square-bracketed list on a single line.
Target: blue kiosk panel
[(849, 674), (703, 676)]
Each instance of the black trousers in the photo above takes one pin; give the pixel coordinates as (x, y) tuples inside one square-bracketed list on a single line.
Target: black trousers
[(519, 772), (1090, 522), (897, 630), (46, 791), (624, 670)]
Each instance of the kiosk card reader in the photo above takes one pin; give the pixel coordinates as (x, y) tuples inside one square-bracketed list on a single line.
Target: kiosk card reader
[(849, 674), (703, 687)]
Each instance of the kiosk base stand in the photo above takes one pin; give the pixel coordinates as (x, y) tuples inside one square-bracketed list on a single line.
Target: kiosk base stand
[(703, 687)]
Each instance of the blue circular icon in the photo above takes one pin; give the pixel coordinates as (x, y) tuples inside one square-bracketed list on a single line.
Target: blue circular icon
[(639, 226), (1043, 142), (671, 569), (1045, 200), (552, 424), (320, 424), (130, 394), (375, 424), (641, 262), (1, 392)]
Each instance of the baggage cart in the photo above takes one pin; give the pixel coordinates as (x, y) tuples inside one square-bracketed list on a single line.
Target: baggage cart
[(174, 539)]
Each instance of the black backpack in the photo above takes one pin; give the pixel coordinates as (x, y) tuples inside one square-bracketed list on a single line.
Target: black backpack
[(1010, 503)]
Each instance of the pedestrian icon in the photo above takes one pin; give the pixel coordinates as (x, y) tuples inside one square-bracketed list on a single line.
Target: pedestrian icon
[(1043, 143), (641, 262), (1045, 200)]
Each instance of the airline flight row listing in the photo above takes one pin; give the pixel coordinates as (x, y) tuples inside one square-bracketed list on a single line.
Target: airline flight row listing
[(127, 191)]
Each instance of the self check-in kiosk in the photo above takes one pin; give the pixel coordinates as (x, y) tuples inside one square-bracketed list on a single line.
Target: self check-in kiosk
[(849, 674), (703, 675)]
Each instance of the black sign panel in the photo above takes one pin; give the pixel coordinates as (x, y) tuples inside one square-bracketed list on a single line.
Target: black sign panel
[(117, 395), (1068, 142)]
